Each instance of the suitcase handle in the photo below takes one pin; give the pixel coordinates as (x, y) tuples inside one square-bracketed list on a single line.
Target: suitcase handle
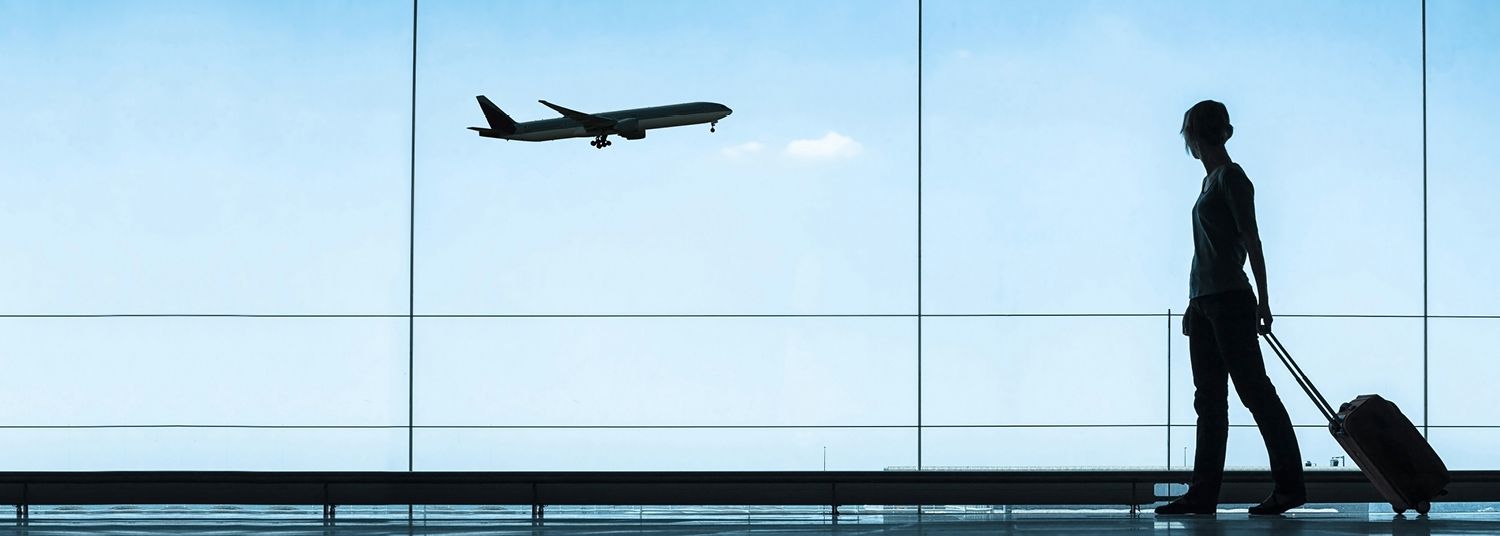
[(1302, 380)]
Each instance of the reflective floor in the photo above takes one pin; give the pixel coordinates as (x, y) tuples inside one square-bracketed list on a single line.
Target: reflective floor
[(1228, 524)]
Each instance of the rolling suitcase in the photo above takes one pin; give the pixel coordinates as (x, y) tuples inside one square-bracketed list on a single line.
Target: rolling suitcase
[(1381, 441)]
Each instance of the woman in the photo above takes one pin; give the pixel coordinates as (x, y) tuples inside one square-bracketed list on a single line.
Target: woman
[(1222, 320)]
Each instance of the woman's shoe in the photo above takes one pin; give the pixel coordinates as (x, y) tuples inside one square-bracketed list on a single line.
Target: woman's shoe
[(1185, 507)]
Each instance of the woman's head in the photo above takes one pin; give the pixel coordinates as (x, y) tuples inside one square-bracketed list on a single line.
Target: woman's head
[(1206, 124)]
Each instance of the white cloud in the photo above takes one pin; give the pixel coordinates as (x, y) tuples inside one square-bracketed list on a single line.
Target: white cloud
[(831, 145), (736, 151)]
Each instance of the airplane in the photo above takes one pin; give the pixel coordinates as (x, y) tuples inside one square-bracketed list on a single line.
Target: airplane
[(629, 124)]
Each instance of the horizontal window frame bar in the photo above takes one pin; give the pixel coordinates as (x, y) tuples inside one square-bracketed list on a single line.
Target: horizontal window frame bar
[(652, 426), (707, 315)]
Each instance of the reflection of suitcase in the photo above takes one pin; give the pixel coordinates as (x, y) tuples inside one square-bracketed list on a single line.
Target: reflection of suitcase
[(1382, 441)]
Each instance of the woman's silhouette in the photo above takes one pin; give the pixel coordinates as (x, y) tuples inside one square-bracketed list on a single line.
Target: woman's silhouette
[(1222, 321)]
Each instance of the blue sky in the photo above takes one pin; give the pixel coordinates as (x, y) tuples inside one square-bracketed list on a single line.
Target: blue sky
[(675, 226), (252, 157)]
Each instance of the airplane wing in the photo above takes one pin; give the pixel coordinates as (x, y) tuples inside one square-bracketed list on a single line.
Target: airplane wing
[(588, 120)]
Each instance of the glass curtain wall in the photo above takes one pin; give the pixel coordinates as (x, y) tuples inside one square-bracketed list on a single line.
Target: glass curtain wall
[(946, 233)]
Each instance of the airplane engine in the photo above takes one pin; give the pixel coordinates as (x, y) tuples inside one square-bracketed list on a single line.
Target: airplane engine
[(630, 129)]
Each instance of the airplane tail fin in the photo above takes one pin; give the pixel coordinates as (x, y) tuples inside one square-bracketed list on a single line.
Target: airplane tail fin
[(497, 119)]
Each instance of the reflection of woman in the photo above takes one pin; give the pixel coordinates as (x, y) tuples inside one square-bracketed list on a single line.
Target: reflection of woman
[(1221, 322)]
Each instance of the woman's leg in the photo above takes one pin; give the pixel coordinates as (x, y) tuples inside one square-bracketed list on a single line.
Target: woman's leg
[(1211, 401), (1233, 322)]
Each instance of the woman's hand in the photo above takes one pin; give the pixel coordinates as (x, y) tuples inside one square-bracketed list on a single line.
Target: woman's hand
[(1263, 317)]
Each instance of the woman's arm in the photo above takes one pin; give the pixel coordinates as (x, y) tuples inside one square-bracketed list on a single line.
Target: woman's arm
[(1258, 266), (1240, 194)]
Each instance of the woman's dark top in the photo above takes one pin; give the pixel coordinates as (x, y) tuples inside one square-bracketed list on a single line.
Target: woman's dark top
[(1224, 212)]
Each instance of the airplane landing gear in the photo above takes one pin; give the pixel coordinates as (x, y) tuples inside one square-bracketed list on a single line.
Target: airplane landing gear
[(711, 125), (601, 141)]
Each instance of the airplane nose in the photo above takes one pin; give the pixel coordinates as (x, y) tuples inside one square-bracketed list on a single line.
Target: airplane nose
[(727, 111)]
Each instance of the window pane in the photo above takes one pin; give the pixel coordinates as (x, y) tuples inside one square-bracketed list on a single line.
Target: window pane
[(1463, 52), (1022, 370), (243, 371), (1247, 450), (575, 449), (203, 449), (1055, 181), (1024, 448), (1467, 448), (666, 371), (1344, 357), (1461, 368), (192, 157), (803, 202)]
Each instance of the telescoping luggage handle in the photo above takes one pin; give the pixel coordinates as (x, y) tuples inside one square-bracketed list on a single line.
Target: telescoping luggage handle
[(1302, 380)]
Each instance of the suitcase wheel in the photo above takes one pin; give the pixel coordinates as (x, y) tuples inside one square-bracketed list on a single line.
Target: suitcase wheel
[(1399, 510), (1423, 507)]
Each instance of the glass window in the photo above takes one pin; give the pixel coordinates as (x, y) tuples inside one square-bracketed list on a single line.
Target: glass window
[(665, 449), (804, 201), (1466, 449), (1051, 370), (1027, 448), (224, 157), (244, 166), (1463, 59), (1247, 451), (1054, 179), (203, 449), (204, 371), (1461, 371), (666, 371)]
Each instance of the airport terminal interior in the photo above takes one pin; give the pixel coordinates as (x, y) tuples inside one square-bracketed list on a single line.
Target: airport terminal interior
[(732, 266)]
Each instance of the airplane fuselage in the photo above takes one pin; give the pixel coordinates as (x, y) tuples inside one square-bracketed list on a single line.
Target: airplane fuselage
[(638, 119)]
